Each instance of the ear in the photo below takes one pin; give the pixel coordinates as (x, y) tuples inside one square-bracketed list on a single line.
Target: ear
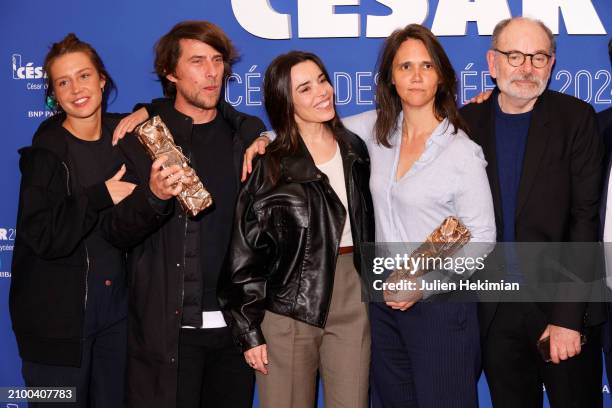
[(102, 81), (171, 78), (491, 63)]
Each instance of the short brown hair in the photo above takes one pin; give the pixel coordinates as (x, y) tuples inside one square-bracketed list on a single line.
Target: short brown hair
[(69, 44), (168, 49), (388, 103)]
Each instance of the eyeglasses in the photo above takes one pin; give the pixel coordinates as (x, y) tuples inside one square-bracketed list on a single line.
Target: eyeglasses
[(517, 58)]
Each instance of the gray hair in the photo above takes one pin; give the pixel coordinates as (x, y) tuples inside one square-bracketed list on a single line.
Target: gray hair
[(499, 28)]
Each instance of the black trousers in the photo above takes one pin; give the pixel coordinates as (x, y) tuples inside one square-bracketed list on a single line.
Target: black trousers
[(212, 372), (516, 371), (100, 379)]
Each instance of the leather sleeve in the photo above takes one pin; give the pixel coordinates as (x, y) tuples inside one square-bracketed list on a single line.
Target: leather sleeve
[(243, 295)]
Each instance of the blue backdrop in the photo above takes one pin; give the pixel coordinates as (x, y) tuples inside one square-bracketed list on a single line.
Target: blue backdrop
[(346, 34)]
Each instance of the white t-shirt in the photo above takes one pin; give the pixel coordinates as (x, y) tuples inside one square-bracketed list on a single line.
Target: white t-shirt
[(334, 170)]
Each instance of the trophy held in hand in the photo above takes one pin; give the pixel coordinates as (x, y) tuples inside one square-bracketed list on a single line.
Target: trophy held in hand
[(443, 242), (158, 141)]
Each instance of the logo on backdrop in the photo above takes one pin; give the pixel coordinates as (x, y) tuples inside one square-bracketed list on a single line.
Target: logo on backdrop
[(27, 71), (7, 234), (318, 19), (7, 239), (35, 77), (593, 86)]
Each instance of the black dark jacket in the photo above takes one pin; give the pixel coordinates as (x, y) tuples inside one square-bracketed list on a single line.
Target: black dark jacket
[(156, 267), (48, 294), (286, 236), (559, 190)]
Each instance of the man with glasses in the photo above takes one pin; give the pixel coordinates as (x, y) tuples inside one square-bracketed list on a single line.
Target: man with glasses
[(544, 165)]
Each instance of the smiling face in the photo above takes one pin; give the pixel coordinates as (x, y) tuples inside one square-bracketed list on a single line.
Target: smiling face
[(524, 82), (198, 75), (413, 74), (311, 93), (77, 85)]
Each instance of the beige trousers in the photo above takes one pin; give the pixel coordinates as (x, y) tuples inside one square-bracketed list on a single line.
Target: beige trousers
[(340, 352)]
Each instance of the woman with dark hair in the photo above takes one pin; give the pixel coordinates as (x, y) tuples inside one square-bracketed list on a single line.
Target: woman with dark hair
[(68, 296), (293, 298), (424, 169)]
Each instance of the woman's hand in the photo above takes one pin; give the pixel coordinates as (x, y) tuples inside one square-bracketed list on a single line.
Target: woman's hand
[(401, 306), (257, 147), (128, 124), (257, 358), (118, 189)]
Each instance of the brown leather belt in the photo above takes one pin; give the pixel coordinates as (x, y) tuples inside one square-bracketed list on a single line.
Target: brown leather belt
[(345, 250)]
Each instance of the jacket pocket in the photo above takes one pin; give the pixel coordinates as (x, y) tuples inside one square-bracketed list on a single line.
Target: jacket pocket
[(289, 217)]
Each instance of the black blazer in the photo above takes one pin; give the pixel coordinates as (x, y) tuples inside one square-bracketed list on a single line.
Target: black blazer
[(605, 127), (559, 191)]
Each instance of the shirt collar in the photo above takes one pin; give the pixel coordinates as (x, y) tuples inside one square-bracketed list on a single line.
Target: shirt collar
[(440, 136)]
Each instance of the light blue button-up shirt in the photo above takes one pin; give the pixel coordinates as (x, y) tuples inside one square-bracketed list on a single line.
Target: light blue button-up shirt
[(449, 179)]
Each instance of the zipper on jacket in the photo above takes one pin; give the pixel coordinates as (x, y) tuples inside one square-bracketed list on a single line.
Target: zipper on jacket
[(184, 261), (84, 243), (182, 275), (86, 275), (67, 178)]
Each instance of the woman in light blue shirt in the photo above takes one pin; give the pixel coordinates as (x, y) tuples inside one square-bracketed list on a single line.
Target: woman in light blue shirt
[(424, 169)]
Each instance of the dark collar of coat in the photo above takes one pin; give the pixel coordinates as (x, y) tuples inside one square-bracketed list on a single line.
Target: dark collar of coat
[(183, 123), (299, 166), (537, 141), (50, 134)]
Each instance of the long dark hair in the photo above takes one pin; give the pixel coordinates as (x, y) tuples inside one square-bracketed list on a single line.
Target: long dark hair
[(388, 103), (69, 44), (279, 106)]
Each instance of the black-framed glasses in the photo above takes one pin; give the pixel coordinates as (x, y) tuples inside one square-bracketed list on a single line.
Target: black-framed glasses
[(517, 58)]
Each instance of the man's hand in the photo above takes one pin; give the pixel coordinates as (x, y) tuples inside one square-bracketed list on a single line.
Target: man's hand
[(257, 147), (257, 358), (564, 343), (118, 189), (128, 124), (481, 97), (402, 306), (165, 183)]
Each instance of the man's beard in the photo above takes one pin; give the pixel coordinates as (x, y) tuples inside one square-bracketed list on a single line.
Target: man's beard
[(202, 102), (517, 92)]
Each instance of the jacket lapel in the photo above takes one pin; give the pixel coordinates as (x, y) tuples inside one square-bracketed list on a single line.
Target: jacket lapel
[(604, 198), (537, 141), (487, 142), (299, 166)]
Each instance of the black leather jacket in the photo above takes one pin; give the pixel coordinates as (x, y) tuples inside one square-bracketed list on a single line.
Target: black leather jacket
[(286, 237)]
